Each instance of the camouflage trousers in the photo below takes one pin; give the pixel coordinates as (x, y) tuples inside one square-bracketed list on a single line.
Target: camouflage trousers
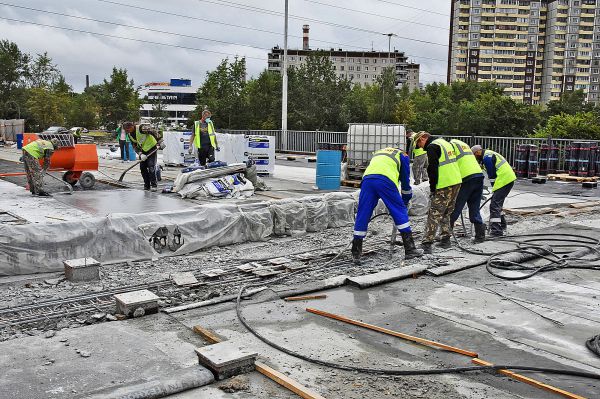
[(440, 210), (35, 175)]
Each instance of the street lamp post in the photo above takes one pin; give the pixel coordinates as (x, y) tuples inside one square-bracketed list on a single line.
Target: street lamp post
[(284, 88), (389, 35)]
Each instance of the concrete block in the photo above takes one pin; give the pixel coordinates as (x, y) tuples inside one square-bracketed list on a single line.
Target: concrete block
[(184, 278), (226, 359), (213, 273), (82, 269), (128, 302), (387, 276), (589, 184)]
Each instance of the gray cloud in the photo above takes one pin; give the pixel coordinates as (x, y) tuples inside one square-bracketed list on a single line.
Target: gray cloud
[(78, 54)]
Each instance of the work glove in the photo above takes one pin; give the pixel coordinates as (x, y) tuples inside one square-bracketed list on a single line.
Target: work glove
[(191, 150), (143, 157), (218, 149), (162, 145)]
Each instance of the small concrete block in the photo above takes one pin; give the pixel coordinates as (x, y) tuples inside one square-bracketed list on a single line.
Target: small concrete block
[(246, 268), (266, 272), (128, 302), (279, 261), (295, 266), (226, 359), (185, 278), (311, 159), (212, 273), (386, 276), (306, 256), (82, 269), (539, 180), (589, 184)]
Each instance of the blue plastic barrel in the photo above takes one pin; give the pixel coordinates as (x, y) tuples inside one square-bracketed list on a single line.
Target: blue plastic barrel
[(19, 140), (132, 154), (328, 169)]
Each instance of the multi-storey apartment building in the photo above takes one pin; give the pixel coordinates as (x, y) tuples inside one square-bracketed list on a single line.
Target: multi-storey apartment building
[(535, 49), (361, 67)]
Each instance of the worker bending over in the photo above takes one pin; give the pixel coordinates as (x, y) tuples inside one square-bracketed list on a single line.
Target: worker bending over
[(444, 184), (32, 153), (471, 188), (502, 177), (146, 142), (204, 139), (387, 168)]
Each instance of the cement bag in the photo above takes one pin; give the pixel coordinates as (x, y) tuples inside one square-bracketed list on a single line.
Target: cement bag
[(289, 217), (317, 217), (341, 208), (419, 205), (257, 181), (257, 221)]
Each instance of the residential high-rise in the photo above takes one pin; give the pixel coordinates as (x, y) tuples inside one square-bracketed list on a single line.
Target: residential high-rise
[(361, 67), (535, 49)]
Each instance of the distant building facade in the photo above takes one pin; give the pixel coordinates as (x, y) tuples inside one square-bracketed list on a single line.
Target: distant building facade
[(535, 49), (177, 98)]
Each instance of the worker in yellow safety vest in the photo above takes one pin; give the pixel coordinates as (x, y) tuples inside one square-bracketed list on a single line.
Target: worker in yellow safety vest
[(32, 154), (502, 177), (146, 142), (204, 138), (444, 184), (419, 159)]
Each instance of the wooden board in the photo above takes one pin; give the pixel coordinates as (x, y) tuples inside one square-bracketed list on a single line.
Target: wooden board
[(566, 177), (208, 335), (286, 382), (529, 212), (530, 381), (407, 337), (581, 205), (304, 298), (351, 183)]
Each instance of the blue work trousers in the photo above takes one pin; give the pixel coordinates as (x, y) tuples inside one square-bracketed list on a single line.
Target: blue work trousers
[(471, 191), (373, 188)]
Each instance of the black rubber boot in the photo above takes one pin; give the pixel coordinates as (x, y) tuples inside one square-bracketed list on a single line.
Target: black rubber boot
[(479, 233), (503, 223), (427, 248), (445, 243), (410, 249), (43, 193), (357, 249)]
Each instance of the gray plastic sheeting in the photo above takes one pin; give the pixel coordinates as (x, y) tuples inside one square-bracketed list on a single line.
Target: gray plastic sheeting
[(40, 248)]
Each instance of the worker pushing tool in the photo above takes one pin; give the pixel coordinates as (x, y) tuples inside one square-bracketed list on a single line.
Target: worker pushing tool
[(146, 142), (471, 188), (502, 177), (387, 168), (444, 184), (32, 154), (204, 138)]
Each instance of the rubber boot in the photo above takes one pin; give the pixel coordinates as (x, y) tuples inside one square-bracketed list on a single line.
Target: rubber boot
[(445, 243), (410, 249), (479, 233), (357, 249), (43, 193), (427, 248), (503, 223)]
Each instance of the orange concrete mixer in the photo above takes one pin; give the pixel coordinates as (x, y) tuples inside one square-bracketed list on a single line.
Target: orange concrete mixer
[(74, 159)]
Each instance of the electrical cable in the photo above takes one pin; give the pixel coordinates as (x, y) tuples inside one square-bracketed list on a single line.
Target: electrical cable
[(414, 8)]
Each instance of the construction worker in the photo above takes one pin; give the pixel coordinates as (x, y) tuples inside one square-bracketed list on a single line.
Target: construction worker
[(76, 134), (471, 188), (204, 138), (420, 163), (146, 142), (123, 138), (444, 184), (387, 168), (502, 177), (32, 153)]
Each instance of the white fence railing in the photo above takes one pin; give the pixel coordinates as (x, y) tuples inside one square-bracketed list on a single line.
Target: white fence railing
[(9, 128)]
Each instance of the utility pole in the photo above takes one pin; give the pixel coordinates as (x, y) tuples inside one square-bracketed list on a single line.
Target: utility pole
[(389, 35), (284, 88)]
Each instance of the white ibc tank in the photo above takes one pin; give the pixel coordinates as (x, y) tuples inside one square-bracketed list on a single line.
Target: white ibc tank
[(365, 138)]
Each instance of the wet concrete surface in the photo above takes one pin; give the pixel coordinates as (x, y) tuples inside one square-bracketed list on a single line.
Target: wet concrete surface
[(102, 203), (558, 188)]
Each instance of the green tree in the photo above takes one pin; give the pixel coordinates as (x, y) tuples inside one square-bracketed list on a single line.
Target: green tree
[(43, 72), (46, 108), (581, 125), (83, 111), (223, 93), (118, 99), (14, 72), (357, 104), (263, 99), (386, 96), (316, 95)]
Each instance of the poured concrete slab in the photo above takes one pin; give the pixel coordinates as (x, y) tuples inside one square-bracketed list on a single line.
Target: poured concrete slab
[(102, 203)]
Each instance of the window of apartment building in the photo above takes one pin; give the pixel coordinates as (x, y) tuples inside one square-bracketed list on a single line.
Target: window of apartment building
[(341, 67), (358, 68), (334, 59), (292, 58), (350, 59), (351, 68), (334, 67), (342, 59), (375, 61), (342, 75), (366, 68), (383, 61), (374, 77), (375, 68), (366, 60), (358, 76), (474, 36), (351, 76)]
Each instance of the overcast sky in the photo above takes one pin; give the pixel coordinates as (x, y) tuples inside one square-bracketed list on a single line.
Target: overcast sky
[(78, 53)]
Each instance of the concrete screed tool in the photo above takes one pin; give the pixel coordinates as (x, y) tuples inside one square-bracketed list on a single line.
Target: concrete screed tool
[(134, 165)]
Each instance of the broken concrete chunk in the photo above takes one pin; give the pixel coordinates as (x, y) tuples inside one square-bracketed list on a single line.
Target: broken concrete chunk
[(212, 273), (185, 278), (279, 261), (387, 276)]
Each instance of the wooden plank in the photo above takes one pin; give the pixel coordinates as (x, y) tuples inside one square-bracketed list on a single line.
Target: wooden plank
[(566, 177), (208, 335), (584, 204), (407, 337), (530, 381), (286, 382), (575, 212), (351, 183), (304, 298), (529, 212)]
